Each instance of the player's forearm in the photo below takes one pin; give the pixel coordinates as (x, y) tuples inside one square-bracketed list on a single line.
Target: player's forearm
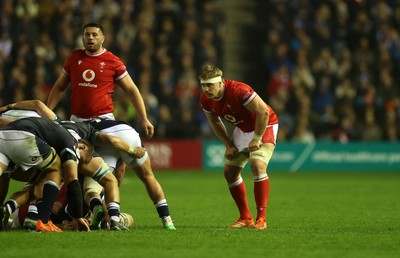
[(106, 140), (54, 98), (220, 131), (35, 105), (7, 107), (138, 103), (262, 119), (136, 98), (120, 144), (58, 90)]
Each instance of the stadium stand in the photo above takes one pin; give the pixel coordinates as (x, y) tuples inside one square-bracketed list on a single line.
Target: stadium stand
[(327, 67)]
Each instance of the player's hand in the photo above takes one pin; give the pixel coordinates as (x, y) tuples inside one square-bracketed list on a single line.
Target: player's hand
[(80, 224), (231, 152), (148, 128), (140, 151), (254, 145)]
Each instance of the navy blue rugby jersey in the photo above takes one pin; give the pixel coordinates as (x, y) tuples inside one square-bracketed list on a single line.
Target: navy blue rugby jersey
[(101, 124), (53, 134), (83, 130)]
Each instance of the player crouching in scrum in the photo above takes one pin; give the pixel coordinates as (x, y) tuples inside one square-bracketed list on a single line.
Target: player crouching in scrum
[(96, 168), (39, 143), (141, 166)]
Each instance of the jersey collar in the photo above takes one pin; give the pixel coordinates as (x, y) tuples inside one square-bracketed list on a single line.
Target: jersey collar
[(89, 54)]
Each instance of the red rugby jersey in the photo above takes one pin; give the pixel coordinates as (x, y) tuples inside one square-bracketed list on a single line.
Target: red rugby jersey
[(231, 106), (92, 81)]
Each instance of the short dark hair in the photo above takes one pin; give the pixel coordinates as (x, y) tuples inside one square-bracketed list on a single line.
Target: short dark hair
[(93, 24), (87, 143)]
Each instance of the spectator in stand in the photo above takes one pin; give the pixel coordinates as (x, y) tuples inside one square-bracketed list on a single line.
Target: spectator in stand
[(6, 45), (391, 131), (370, 131), (280, 79), (302, 133), (302, 75)]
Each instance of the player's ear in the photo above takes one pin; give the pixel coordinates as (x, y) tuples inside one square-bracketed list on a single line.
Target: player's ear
[(81, 146)]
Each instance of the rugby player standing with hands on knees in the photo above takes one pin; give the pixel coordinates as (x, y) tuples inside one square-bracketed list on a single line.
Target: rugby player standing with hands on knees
[(253, 139)]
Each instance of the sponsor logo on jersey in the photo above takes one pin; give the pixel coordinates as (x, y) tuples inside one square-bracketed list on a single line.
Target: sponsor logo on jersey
[(88, 75), (86, 84)]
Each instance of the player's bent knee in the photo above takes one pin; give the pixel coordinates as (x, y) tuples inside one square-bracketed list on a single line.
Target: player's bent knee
[(109, 180), (264, 153)]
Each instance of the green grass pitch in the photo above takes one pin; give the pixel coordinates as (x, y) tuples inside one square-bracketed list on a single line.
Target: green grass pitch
[(310, 214)]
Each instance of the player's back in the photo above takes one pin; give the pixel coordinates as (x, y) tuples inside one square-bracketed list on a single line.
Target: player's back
[(115, 128), (80, 130), (46, 129), (41, 127)]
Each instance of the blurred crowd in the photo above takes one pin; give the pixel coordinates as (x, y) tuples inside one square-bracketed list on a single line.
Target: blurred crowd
[(330, 67), (163, 43), (333, 69)]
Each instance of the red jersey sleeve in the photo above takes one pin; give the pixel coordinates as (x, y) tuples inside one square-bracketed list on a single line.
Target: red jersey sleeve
[(120, 69)]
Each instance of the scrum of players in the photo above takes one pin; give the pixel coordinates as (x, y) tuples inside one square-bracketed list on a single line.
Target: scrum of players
[(70, 170)]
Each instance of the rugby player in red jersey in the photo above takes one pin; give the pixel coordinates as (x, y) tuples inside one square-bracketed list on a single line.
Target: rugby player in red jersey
[(92, 72), (253, 139)]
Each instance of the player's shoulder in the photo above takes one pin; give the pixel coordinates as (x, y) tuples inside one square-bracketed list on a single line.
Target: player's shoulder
[(235, 84), (110, 58), (110, 55), (77, 52), (239, 91), (237, 87)]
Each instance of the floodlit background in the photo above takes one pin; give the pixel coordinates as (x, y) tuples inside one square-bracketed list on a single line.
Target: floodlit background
[(328, 68)]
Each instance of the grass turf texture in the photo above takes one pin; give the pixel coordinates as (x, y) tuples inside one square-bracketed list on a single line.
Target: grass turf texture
[(309, 215)]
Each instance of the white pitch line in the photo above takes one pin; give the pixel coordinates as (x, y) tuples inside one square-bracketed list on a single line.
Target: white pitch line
[(303, 156)]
